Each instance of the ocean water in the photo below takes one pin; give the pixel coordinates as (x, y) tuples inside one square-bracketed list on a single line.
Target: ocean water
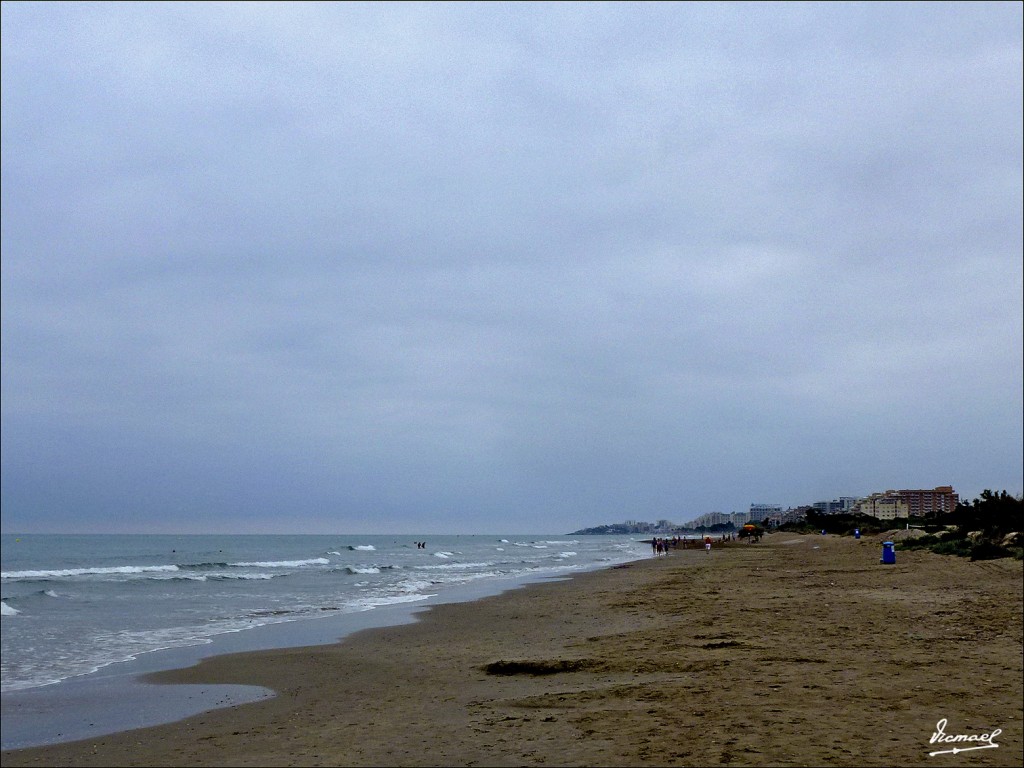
[(74, 605)]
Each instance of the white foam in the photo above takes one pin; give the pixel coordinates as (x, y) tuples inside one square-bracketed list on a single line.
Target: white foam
[(67, 572), (6, 610), (363, 547), (444, 555), (368, 603), (355, 569), (462, 578), (284, 563), (242, 576), (566, 554), (414, 585), (452, 566)]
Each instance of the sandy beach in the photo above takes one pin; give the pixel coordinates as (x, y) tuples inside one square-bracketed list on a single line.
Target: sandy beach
[(798, 650)]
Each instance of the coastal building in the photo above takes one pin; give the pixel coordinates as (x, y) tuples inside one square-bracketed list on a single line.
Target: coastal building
[(841, 506), (770, 512), (940, 500), (711, 518), (884, 506), (739, 519), (795, 514)]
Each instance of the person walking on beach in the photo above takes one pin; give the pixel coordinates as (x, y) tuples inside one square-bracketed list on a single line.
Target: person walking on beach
[(707, 544)]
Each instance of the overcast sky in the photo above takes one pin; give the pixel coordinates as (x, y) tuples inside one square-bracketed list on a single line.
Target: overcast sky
[(486, 268)]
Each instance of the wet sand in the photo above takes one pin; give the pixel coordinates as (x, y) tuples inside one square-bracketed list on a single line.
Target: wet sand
[(798, 650)]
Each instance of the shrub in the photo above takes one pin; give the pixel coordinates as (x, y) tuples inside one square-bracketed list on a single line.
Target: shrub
[(921, 542), (987, 550), (958, 547)]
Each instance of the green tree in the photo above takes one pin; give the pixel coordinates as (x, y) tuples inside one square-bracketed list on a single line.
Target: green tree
[(994, 514)]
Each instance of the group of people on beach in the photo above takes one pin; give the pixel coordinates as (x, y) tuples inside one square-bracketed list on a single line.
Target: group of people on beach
[(420, 544), (661, 546)]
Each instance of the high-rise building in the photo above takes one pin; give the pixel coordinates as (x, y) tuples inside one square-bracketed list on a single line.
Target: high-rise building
[(759, 512), (938, 500), (739, 519)]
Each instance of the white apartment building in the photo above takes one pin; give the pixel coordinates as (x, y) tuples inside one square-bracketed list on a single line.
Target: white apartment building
[(759, 512)]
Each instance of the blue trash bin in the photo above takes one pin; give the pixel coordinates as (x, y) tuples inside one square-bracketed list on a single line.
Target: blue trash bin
[(888, 553), (856, 533)]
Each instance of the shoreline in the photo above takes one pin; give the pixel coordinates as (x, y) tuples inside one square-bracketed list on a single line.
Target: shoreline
[(799, 650), (118, 697)]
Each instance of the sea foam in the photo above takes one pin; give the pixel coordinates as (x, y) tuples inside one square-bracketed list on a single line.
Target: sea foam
[(452, 566), (71, 572), (284, 563)]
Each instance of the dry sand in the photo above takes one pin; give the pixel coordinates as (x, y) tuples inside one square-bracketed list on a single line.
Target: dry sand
[(798, 650)]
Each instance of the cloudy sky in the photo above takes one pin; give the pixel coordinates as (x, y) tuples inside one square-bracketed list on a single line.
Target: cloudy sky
[(491, 267)]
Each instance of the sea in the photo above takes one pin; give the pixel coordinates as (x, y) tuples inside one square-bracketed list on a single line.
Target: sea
[(85, 616)]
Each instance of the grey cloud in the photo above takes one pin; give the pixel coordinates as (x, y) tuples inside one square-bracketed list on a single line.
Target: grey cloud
[(470, 264)]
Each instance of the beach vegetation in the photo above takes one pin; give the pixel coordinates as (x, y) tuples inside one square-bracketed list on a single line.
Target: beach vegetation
[(992, 513), (987, 528), (952, 544), (840, 525), (958, 547)]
